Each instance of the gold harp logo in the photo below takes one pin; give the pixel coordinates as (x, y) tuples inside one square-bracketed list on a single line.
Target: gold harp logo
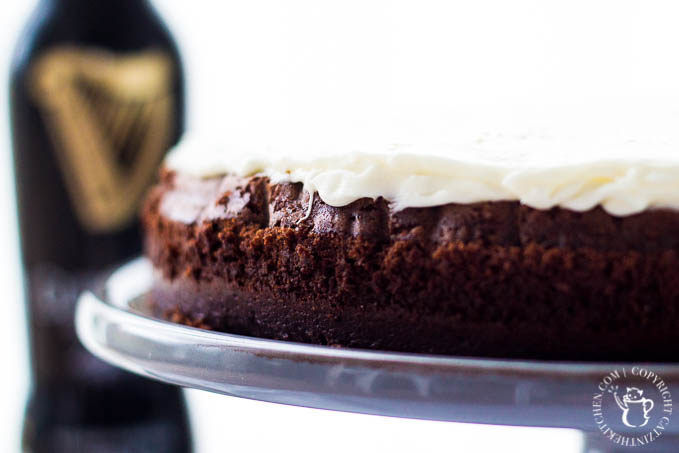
[(110, 118)]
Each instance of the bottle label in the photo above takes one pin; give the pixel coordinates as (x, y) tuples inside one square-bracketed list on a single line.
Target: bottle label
[(110, 118)]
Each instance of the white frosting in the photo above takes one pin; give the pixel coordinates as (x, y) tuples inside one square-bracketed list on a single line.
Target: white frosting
[(624, 177)]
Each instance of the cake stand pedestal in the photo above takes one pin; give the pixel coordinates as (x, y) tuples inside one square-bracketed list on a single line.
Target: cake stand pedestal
[(114, 324)]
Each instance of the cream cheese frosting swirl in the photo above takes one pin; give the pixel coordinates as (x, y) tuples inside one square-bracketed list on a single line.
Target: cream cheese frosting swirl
[(624, 177)]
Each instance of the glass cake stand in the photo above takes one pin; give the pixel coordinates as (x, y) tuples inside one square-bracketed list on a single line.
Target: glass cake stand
[(114, 324)]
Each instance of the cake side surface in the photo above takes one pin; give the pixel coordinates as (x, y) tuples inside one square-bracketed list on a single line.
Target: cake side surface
[(497, 278)]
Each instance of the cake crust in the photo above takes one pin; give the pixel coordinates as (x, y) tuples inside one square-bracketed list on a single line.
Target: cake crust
[(496, 279)]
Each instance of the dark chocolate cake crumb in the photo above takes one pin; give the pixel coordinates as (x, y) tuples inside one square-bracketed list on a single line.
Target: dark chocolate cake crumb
[(488, 279)]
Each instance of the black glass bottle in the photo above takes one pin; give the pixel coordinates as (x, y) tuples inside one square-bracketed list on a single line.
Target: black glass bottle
[(97, 98)]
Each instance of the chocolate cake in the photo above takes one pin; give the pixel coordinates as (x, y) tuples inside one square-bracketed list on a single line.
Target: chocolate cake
[(259, 255)]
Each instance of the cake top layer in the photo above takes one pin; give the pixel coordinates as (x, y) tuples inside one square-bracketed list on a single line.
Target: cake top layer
[(623, 176)]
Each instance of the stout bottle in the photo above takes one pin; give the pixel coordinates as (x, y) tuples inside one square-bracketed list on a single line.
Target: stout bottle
[(96, 100)]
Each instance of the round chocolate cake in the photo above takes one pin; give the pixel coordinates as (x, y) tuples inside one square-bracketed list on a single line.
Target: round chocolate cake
[(423, 252)]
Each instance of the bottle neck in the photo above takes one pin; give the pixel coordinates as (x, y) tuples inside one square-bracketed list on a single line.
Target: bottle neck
[(95, 4), (121, 25), (90, 8)]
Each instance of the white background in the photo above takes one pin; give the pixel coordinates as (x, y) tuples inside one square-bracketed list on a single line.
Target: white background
[(273, 69)]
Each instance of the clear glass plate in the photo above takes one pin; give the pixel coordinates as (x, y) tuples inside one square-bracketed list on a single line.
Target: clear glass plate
[(115, 326)]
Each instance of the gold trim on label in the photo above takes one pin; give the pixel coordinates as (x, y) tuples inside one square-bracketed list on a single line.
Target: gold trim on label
[(110, 118)]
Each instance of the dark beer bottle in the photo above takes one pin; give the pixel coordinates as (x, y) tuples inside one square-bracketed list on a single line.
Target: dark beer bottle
[(97, 98)]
